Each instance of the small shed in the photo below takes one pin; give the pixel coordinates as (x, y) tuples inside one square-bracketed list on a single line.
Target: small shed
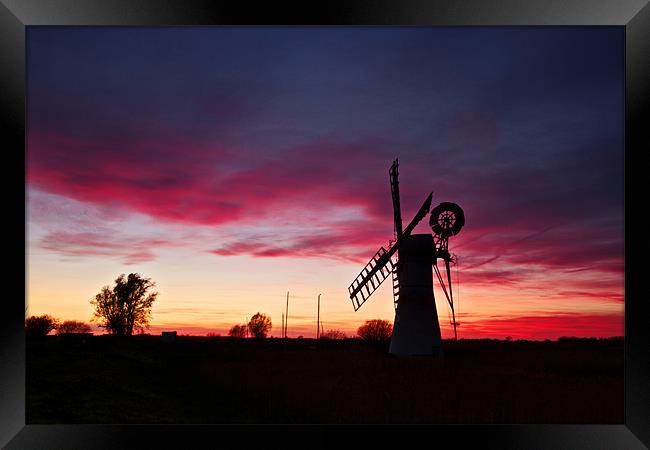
[(168, 336)]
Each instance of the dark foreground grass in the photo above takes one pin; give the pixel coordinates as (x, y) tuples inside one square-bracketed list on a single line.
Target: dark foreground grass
[(224, 380)]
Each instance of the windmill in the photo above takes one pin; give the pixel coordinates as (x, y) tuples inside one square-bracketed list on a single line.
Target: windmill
[(416, 330)]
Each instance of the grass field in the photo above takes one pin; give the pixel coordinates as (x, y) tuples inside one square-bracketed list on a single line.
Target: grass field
[(225, 380)]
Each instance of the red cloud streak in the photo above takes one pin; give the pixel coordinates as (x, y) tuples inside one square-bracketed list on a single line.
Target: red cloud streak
[(546, 326)]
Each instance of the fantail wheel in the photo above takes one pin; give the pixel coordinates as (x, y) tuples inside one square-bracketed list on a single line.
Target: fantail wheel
[(447, 219)]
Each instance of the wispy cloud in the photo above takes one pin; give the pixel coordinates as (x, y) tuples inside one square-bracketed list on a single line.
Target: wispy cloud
[(131, 250)]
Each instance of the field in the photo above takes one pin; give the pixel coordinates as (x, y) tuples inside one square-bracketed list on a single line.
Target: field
[(226, 380)]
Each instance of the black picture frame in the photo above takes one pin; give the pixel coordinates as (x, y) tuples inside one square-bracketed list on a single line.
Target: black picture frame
[(15, 15)]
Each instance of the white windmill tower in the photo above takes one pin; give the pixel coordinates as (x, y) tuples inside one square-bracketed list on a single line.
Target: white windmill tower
[(416, 330)]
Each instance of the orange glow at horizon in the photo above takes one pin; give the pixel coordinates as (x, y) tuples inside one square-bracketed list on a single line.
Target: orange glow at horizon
[(198, 302)]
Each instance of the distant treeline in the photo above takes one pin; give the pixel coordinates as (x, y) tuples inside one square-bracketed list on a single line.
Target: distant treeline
[(560, 339), (566, 339)]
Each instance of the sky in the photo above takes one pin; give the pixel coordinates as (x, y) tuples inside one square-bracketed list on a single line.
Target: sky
[(232, 165)]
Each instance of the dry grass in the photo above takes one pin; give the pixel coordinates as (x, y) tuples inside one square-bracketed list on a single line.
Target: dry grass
[(225, 380)]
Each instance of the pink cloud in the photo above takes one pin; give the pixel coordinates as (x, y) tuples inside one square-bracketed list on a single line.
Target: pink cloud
[(131, 250)]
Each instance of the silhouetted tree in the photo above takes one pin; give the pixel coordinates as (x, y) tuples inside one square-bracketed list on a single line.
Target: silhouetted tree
[(259, 325), (39, 326), (237, 331), (73, 326), (333, 334), (126, 306), (213, 334), (375, 330)]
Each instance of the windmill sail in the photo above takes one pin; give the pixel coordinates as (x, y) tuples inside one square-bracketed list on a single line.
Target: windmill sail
[(423, 211), (394, 190), (380, 266), (371, 277), (393, 174)]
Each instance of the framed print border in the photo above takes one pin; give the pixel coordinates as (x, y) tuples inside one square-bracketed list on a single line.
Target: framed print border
[(16, 15)]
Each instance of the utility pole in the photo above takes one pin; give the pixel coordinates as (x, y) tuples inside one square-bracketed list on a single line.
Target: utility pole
[(318, 320), (286, 318), (282, 332)]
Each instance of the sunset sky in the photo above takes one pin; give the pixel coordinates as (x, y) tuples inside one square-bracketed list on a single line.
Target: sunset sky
[(232, 165)]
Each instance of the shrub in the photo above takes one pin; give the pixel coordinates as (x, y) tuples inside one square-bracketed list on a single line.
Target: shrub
[(73, 326), (375, 330), (39, 326), (333, 334), (238, 331), (259, 325)]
